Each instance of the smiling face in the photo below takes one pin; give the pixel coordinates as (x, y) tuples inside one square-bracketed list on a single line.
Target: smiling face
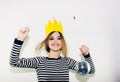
[(54, 41)]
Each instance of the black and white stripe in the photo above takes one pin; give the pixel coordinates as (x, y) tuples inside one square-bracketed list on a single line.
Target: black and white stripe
[(92, 67), (47, 69)]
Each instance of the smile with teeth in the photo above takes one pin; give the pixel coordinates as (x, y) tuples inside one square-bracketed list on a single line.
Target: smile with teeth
[(55, 45)]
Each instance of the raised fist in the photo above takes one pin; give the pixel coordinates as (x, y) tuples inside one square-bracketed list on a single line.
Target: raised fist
[(23, 33), (84, 50)]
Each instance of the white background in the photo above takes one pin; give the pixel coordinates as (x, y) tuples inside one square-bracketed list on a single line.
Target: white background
[(96, 24)]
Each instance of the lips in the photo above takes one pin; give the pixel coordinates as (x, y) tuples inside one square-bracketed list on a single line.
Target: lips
[(55, 45)]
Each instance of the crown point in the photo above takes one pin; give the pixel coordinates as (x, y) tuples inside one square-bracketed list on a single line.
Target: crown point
[(53, 26)]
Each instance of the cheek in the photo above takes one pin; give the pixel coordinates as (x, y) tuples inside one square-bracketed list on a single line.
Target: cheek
[(60, 43), (50, 43)]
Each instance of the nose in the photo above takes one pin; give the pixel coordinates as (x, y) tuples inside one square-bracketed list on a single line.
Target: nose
[(55, 41)]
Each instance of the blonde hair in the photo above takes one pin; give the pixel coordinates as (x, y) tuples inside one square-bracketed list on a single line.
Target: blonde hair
[(44, 43)]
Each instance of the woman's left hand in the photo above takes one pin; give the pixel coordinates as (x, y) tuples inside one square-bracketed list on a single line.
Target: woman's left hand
[(84, 50)]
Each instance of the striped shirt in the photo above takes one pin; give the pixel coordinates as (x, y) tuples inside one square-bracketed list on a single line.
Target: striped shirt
[(47, 69)]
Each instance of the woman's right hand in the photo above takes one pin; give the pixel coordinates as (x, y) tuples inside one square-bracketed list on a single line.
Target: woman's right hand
[(23, 33)]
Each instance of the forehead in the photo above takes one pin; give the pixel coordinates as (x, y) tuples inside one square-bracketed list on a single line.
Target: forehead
[(55, 34)]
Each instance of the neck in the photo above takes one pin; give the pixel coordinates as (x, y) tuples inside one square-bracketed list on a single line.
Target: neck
[(54, 54)]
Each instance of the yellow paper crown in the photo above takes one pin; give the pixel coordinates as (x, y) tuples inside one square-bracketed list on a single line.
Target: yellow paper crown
[(53, 26)]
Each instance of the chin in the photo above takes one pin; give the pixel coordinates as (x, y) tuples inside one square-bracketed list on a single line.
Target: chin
[(59, 49)]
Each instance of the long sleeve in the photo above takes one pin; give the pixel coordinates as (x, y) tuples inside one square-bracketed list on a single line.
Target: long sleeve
[(71, 63), (89, 60), (75, 65), (15, 61)]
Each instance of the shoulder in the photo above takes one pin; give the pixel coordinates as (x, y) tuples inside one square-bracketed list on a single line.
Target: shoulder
[(40, 58), (68, 60)]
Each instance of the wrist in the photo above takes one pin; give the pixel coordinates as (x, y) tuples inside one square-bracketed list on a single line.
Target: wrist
[(21, 39), (87, 55), (16, 41)]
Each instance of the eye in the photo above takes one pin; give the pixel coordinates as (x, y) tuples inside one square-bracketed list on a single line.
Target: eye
[(51, 38), (59, 38)]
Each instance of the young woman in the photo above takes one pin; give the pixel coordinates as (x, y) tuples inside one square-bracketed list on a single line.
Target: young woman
[(54, 67)]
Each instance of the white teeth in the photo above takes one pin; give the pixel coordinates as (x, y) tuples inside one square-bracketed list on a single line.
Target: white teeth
[(55, 45)]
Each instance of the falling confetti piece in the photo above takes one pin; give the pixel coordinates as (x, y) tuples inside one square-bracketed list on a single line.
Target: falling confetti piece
[(74, 17)]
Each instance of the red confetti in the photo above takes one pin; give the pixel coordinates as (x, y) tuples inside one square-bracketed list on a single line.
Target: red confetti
[(74, 17)]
